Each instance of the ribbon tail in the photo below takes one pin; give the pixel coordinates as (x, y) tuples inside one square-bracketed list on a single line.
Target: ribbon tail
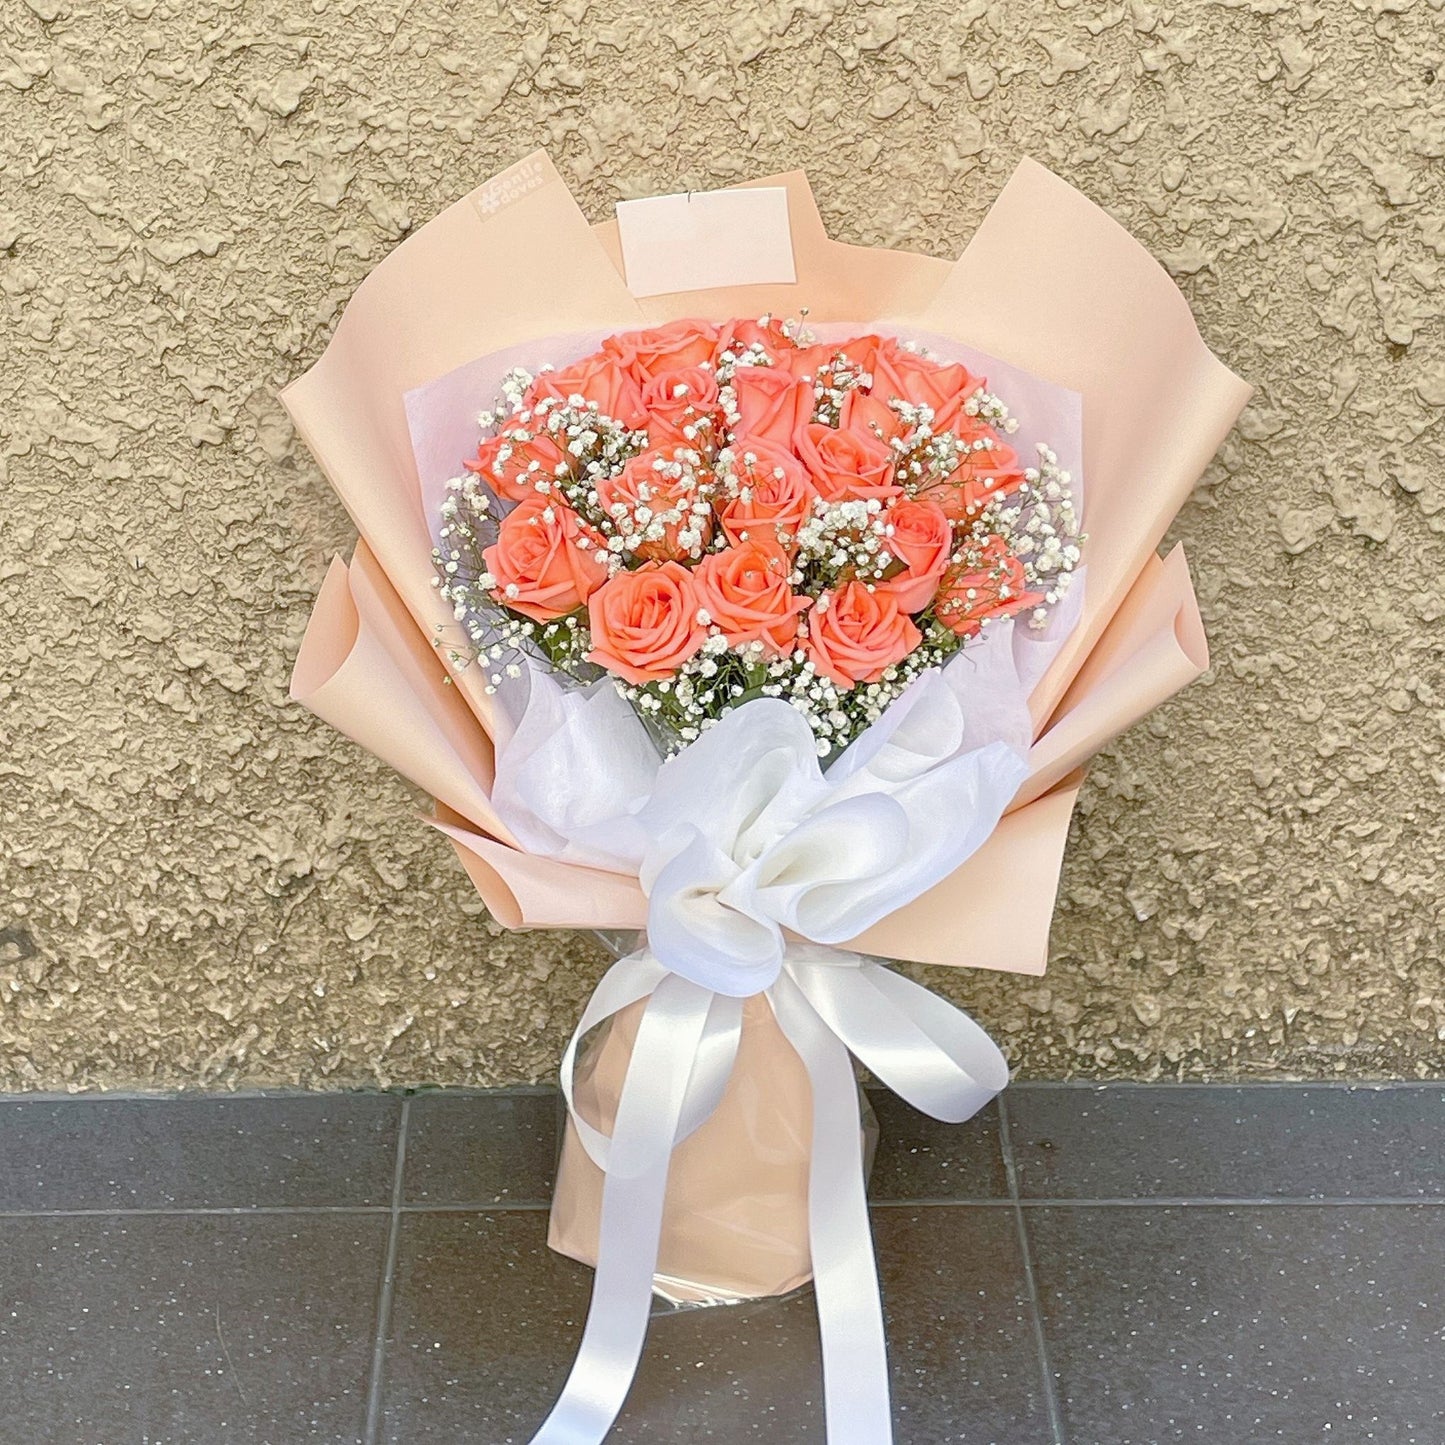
[(628, 981), (845, 1272), (651, 1109), (919, 1044)]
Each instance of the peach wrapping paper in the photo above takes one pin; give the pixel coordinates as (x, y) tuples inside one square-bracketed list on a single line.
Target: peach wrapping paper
[(720, 1241), (1048, 283)]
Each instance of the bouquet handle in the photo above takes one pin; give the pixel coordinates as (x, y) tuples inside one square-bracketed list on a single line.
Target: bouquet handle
[(828, 1005), (735, 1224)]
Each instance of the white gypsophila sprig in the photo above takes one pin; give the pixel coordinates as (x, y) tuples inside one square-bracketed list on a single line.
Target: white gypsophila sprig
[(669, 510), (832, 385), (1041, 528), (842, 539)]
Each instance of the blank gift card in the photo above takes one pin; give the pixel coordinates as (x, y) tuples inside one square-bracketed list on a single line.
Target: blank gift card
[(700, 240)]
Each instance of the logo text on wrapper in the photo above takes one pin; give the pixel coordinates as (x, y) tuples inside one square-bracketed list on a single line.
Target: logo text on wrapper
[(511, 185)]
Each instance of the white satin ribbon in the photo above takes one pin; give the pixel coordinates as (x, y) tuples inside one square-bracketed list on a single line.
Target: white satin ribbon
[(828, 1004), (684, 1052)]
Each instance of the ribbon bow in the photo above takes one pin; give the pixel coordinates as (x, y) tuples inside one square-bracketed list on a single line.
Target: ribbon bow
[(744, 846)]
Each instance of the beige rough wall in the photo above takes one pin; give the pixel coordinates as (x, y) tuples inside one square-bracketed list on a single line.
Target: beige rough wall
[(201, 885)]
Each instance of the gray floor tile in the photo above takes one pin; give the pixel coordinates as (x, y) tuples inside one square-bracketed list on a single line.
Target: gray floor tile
[(486, 1319), (1290, 1324), (251, 1329), (960, 1334), (919, 1158), (481, 1148), (319, 1149), (469, 1150), (1248, 1142)]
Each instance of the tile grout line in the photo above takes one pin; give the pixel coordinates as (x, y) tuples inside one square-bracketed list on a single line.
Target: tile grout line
[(269, 1096), (184, 1211), (372, 1432), (1347, 1086), (948, 1201), (942, 1201), (1051, 1399), (292, 1095), (1172, 1201)]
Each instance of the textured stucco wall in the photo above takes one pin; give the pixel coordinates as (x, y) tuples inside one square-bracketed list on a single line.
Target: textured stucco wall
[(200, 884)]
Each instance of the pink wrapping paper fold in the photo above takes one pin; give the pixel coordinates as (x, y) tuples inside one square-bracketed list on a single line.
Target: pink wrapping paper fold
[(513, 259), (1053, 284), (366, 669)]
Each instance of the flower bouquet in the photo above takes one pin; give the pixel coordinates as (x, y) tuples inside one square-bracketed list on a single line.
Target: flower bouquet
[(757, 600)]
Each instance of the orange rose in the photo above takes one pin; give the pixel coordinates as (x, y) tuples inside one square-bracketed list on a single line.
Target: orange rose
[(906, 376), (774, 496), (845, 464), (738, 336), (807, 360), (744, 590), (659, 493), (771, 404), (861, 350), (993, 587), (545, 559), (597, 378), (983, 472), (676, 399), (644, 623), (987, 470), (855, 635), (871, 415), (676, 346), (511, 464), (921, 537)]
